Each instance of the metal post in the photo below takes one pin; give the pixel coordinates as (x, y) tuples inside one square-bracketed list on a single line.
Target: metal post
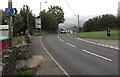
[(40, 7), (27, 18), (10, 25), (40, 13)]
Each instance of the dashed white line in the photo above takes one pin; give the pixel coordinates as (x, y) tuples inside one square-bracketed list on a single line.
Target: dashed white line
[(97, 55), (107, 45), (54, 59), (61, 40), (102, 45), (71, 45)]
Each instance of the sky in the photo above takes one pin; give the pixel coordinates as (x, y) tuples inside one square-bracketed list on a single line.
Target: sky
[(79, 7)]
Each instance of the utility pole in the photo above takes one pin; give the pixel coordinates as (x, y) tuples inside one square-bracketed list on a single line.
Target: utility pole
[(78, 23), (10, 24)]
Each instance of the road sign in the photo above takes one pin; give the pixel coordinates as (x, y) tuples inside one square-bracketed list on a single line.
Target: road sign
[(11, 11)]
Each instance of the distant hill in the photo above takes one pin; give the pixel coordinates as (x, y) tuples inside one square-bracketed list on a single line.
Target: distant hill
[(73, 21)]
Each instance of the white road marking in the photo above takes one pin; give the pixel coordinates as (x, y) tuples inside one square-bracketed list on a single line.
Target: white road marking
[(54, 59), (97, 55), (111, 47), (61, 40), (107, 45), (103, 45), (58, 36), (99, 44), (117, 48), (71, 45)]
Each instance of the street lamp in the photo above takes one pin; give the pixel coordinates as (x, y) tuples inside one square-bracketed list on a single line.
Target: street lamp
[(41, 5), (40, 12)]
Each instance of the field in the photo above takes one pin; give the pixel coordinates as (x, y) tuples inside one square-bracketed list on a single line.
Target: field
[(100, 34)]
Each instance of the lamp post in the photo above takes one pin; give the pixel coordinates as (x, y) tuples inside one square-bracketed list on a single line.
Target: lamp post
[(41, 5), (40, 13)]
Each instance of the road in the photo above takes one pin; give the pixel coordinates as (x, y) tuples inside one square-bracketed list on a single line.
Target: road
[(78, 57)]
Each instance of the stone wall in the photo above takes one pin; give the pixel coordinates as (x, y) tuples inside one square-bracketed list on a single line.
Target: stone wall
[(10, 55)]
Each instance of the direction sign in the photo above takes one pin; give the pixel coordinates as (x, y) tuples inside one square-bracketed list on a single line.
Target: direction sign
[(9, 11)]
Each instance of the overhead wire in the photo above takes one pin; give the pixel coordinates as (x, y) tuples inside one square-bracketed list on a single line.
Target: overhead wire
[(70, 7)]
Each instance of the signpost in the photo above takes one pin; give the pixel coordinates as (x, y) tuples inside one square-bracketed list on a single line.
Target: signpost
[(9, 68), (10, 12)]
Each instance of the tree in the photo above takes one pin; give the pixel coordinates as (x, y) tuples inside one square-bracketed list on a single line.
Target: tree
[(18, 24), (23, 12), (4, 18), (48, 21), (101, 23), (57, 12), (51, 18)]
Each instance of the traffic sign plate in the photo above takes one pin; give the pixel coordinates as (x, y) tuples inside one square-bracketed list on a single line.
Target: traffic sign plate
[(9, 11)]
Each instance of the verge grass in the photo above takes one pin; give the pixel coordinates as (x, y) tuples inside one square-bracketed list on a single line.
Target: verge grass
[(100, 34)]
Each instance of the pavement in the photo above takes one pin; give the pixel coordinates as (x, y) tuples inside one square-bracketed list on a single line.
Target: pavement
[(79, 56), (47, 65)]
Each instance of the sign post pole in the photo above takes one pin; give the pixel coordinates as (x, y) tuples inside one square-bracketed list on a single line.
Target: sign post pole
[(10, 24)]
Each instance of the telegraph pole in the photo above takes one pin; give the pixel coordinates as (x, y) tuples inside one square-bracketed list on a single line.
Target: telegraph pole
[(10, 24), (78, 23)]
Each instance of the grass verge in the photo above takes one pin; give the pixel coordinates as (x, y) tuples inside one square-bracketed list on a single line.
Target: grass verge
[(100, 34), (40, 34)]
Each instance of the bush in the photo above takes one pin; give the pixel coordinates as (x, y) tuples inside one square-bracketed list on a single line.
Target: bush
[(25, 72), (23, 52)]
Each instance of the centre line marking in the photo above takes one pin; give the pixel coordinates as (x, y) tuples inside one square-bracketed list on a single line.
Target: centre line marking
[(61, 40), (58, 36), (71, 45), (97, 55)]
